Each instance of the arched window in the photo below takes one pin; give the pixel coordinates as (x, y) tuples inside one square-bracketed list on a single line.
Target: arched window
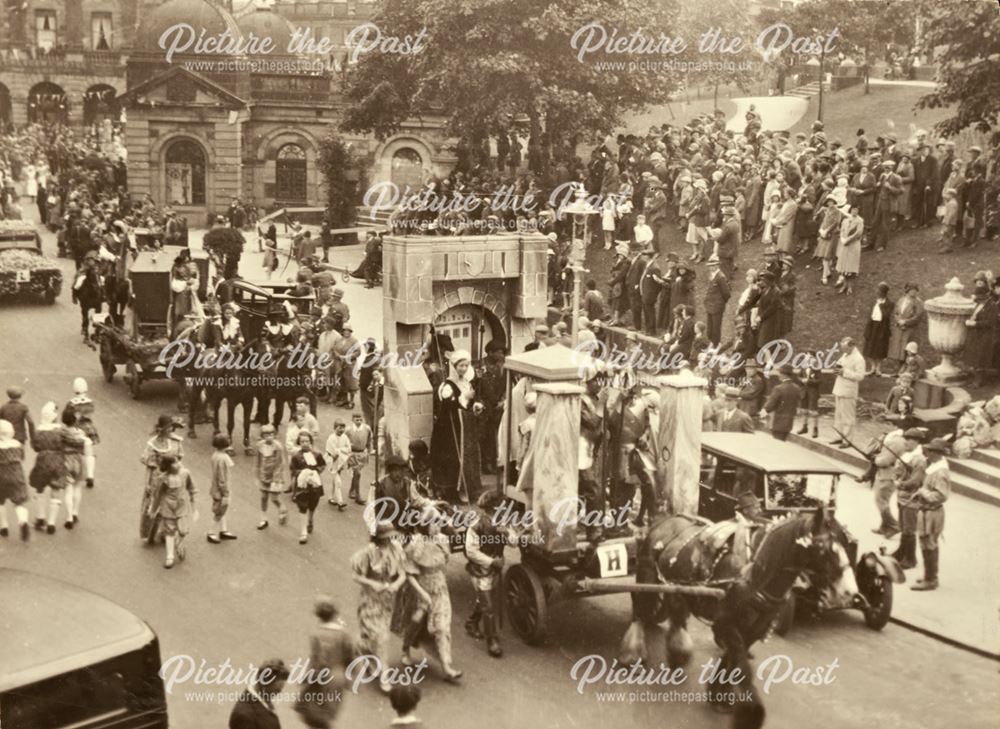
[(185, 170), (290, 174), (99, 104), (47, 104), (407, 169)]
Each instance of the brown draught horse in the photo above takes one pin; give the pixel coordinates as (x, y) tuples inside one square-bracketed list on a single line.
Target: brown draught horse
[(676, 551)]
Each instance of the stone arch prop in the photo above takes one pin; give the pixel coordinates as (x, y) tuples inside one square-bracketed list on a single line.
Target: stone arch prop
[(424, 277)]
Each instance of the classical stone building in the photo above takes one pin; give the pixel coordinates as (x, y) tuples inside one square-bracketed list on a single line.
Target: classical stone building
[(203, 129)]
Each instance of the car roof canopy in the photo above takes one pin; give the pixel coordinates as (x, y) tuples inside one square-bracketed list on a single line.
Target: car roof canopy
[(763, 451), (90, 628)]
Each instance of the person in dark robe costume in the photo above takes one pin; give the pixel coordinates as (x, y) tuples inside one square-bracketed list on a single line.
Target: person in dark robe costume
[(455, 458)]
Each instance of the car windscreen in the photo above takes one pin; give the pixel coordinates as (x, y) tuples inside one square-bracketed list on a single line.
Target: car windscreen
[(800, 490)]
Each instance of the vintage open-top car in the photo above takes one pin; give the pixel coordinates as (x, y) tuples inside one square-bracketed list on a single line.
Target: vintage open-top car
[(787, 478), (23, 267)]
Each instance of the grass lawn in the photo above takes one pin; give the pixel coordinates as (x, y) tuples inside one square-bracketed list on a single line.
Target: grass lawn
[(848, 110), (822, 316)]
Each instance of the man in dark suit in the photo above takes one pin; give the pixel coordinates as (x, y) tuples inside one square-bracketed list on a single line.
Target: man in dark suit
[(783, 403), (716, 297), (728, 243), (770, 311), (923, 194), (946, 162), (649, 288), (683, 332), (732, 419), (255, 707), (632, 285), (656, 206)]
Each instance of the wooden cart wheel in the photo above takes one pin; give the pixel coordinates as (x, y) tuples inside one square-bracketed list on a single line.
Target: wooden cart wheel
[(879, 602), (526, 603), (786, 615), (134, 379), (107, 359)]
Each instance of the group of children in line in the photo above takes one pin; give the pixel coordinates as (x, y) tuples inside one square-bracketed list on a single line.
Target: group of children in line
[(65, 460)]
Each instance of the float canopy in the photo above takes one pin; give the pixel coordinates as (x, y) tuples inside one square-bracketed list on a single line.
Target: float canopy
[(556, 363)]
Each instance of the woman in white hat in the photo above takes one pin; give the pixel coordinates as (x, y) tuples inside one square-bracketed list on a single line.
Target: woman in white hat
[(455, 461)]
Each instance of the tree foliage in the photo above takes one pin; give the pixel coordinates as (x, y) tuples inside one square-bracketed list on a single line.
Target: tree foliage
[(225, 246), (864, 26), (732, 21), (487, 63), (342, 173), (965, 38)]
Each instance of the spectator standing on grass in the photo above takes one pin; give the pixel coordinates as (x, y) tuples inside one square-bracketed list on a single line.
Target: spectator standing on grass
[(907, 314), (982, 333), (716, 297), (878, 329), (783, 403), (923, 195), (852, 230), (850, 372)]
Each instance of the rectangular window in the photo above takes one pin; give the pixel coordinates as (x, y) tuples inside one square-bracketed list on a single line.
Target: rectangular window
[(100, 31), (45, 29)]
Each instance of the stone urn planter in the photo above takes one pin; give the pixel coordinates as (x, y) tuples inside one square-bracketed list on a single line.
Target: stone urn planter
[(946, 330)]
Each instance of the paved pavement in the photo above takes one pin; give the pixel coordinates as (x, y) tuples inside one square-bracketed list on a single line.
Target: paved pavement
[(251, 599), (966, 608), (777, 112)]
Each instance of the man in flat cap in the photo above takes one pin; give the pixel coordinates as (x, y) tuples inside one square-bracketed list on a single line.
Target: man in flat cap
[(890, 187)]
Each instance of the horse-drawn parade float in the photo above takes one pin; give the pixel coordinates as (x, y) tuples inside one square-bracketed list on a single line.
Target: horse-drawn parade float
[(742, 534)]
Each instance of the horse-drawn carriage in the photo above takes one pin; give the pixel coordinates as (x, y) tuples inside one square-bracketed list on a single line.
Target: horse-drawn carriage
[(256, 302), (137, 345)]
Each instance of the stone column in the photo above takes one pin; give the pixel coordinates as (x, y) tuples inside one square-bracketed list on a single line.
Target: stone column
[(555, 463), (678, 454), (408, 306)]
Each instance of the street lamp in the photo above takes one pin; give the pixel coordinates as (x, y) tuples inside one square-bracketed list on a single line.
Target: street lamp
[(580, 210)]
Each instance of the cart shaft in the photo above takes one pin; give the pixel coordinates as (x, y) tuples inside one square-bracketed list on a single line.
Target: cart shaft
[(613, 586)]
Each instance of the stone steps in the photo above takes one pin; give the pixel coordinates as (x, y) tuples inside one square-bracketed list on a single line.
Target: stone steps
[(807, 91), (365, 220), (990, 456), (976, 478)]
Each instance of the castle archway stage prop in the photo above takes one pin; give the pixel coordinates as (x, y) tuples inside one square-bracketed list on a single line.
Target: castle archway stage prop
[(424, 277)]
